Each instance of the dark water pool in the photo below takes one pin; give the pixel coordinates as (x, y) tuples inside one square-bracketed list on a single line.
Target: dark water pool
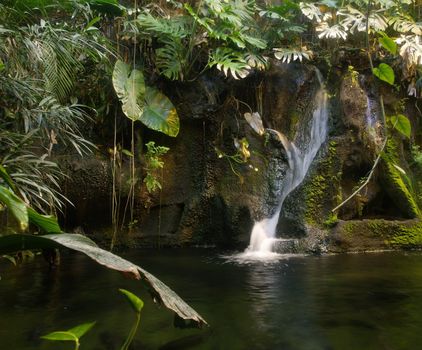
[(371, 301)]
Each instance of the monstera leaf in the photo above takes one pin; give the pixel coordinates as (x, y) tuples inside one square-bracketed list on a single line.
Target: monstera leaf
[(159, 113), (130, 88)]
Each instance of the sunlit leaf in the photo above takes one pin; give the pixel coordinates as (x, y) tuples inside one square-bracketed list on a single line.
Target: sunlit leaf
[(130, 88), (388, 44), (255, 121), (48, 223), (402, 124), (159, 113), (81, 329), (60, 336), (399, 169), (136, 303), (385, 73), (16, 206)]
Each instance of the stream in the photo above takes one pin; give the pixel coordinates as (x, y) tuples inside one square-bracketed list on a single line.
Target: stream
[(357, 301)]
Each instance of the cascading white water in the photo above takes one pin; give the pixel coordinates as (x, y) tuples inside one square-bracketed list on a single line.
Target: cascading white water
[(300, 158)]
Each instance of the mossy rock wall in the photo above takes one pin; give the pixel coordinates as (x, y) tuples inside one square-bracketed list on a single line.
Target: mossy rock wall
[(370, 235)]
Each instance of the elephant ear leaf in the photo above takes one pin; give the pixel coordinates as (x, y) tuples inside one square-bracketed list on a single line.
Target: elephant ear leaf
[(159, 113), (130, 89)]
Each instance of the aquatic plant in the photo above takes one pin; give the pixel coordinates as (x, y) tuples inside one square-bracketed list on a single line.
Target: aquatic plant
[(74, 334)]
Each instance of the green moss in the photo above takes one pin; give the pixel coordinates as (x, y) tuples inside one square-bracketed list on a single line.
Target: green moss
[(402, 184), (407, 236), (294, 121), (331, 221), (388, 234), (321, 189)]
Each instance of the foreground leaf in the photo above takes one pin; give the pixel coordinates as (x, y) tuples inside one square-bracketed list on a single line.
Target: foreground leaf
[(385, 73), (82, 329), (47, 223), (136, 303), (161, 292), (60, 336), (16, 206)]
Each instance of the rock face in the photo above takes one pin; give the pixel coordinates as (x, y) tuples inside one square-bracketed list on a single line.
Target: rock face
[(212, 191), (219, 194)]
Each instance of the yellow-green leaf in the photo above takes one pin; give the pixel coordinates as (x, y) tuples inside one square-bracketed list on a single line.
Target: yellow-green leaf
[(80, 330), (159, 113), (387, 43), (60, 336), (16, 206), (385, 73), (402, 124), (136, 303), (48, 223)]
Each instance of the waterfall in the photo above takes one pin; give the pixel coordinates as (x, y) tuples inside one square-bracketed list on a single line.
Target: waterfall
[(300, 157)]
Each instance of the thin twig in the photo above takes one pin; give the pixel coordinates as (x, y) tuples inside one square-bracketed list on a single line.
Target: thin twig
[(367, 179)]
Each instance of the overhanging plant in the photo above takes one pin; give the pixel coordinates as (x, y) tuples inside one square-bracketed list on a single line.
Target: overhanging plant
[(53, 237), (144, 103)]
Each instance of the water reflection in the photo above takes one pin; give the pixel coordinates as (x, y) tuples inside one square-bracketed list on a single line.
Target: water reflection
[(301, 303)]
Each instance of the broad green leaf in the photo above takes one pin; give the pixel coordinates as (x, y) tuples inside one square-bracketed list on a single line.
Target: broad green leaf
[(16, 206), (60, 336), (161, 292), (2, 66), (136, 303), (48, 223), (130, 88), (159, 113), (385, 73), (388, 44), (401, 124), (81, 329)]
